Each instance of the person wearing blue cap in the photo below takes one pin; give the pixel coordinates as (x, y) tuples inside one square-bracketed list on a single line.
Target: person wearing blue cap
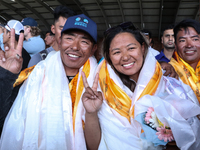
[(33, 43), (48, 112), (61, 13)]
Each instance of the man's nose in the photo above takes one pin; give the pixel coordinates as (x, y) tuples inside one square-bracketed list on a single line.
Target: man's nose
[(75, 45)]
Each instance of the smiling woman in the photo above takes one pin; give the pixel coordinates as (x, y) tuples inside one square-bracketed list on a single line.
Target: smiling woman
[(131, 82)]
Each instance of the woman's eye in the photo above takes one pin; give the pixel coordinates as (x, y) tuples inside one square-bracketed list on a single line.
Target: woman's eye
[(116, 52)]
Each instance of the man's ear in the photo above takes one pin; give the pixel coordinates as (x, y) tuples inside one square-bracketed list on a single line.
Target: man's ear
[(59, 43), (29, 29), (175, 46), (53, 29), (94, 48), (162, 39)]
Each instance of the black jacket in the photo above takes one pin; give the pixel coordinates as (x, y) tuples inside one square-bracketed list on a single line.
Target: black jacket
[(7, 92)]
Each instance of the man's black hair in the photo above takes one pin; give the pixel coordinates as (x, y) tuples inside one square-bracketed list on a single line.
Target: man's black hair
[(50, 33), (170, 26), (63, 11), (184, 24)]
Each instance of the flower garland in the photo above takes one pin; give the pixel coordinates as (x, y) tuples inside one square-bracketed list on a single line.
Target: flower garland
[(164, 132)]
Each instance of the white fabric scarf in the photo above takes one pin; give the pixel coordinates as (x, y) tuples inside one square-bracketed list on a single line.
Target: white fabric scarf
[(41, 116)]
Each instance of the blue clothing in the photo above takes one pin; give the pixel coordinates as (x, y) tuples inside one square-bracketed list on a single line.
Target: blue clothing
[(161, 57), (1, 42), (37, 57), (34, 45)]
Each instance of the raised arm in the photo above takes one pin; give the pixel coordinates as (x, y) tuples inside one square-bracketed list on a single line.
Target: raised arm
[(10, 66), (92, 101)]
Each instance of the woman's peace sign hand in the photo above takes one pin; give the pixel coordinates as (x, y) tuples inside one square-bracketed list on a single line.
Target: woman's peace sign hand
[(92, 99)]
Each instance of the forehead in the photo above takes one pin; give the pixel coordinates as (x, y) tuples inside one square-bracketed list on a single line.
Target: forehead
[(187, 31), (123, 38), (168, 31), (61, 21), (78, 33)]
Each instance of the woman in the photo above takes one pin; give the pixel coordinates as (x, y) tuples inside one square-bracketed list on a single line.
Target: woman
[(131, 81)]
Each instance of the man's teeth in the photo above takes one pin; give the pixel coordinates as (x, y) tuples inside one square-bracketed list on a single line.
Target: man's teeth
[(189, 51), (71, 55), (128, 64)]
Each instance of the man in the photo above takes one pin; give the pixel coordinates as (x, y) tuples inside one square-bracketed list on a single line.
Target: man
[(61, 13), (49, 39), (49, 114), (167, 40), (187, 54), (33, 43), (169, 70)]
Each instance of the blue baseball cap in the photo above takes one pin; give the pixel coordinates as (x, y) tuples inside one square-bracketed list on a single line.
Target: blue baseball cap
[(29, 21), (81, 22)]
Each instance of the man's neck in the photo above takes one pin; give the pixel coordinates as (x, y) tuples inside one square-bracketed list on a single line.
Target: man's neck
[(28, 37), (168, 53), (70, 71), (55, 46), (194, 65)]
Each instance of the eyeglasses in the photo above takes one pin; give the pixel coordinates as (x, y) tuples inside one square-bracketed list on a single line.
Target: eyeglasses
[(123, 26)]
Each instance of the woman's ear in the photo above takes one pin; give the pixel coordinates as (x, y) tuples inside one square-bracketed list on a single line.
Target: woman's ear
[(94, 48), (143, 48)]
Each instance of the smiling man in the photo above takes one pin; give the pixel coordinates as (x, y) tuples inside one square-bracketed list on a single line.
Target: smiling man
[(49, 115), (61, 13), (187, 54)]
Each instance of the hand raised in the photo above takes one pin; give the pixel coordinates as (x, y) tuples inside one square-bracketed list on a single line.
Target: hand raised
[(11, 59), (92, 99)]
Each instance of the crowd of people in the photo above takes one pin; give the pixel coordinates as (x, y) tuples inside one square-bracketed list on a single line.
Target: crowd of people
[(54, 94)]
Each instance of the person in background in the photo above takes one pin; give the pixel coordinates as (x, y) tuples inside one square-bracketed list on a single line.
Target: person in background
[(15, 24), (169, 70), (33, 43), (186, 59), (167, 40), (1, 37), (61, 13), (147, 34), (49, 39), (48, 111)]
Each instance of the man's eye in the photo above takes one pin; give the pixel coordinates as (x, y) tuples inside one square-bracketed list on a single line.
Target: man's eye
[(196, 39), (85, 42), (131, 48)]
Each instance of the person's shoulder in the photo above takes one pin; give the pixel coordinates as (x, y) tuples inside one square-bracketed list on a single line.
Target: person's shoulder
[(153, 51)]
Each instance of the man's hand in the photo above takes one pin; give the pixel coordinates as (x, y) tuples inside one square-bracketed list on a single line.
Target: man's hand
[(169, 70), (92, 99), (11, 59)]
